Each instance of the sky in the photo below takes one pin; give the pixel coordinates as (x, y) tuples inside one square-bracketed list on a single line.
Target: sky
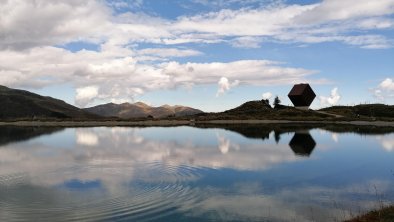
[(208, 54)]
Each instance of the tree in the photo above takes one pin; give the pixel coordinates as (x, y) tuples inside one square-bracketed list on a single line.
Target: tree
[(277, 101)]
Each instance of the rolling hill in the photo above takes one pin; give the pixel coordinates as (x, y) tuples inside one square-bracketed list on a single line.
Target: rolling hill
[(139, 109), (21, 104), (363, 111), (260, 109)]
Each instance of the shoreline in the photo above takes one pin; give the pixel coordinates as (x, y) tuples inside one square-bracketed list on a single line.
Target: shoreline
[(184, 123)]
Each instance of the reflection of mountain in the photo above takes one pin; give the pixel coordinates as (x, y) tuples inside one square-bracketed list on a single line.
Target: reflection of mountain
[(302, 144), (361, 130), (254, 132), (262, 131), (9, 134)]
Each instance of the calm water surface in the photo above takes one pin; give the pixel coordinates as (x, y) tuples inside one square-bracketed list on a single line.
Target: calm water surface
[(237, 173)]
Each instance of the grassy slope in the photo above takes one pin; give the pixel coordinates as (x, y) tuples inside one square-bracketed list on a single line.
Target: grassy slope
[(385, 214), (376, 111), (260, 110), (20, 104)]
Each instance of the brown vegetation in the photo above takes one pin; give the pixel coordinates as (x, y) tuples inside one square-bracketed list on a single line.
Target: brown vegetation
[(385, 214)]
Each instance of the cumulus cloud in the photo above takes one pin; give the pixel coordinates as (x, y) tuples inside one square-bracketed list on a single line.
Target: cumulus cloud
[(267, 95), (385, 89), (227, 3), (246, 42), (169, 52), (85, 95), (32, 31), (329, 10), (26, 24), (332, 100), (224, 85), (312, 23), (122, 77), (387, 84)]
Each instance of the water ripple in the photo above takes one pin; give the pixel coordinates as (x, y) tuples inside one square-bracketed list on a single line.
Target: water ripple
[(139, 192)]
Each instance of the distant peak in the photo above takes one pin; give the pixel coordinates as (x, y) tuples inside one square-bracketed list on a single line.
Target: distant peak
[(166, 106), (140, 104)]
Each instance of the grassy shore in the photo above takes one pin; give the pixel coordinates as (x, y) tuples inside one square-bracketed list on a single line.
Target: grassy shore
[(184, 122), (385, 214)]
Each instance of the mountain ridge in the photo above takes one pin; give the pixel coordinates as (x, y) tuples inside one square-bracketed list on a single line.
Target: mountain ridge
[(140, 109), (23, 104)]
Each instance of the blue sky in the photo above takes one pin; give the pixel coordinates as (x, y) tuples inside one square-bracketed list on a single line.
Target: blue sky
[(212, 55)]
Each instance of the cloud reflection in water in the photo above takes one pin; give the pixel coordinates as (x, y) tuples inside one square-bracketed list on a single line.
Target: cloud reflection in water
[(217, 171)]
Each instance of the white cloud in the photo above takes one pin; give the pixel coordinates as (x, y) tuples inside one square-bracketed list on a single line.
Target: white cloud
[(385, 89), (26, 24), (254, 72), (243, 22), (376, 23), (387, 85), (332, 100), (169, 52), (267, 95), (329, 10), (29, 31), (123, 77), (227, 3), (246, 42), (313, 23), (224, 85), (85, 95)]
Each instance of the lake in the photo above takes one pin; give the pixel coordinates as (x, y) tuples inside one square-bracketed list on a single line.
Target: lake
[(205, 173)]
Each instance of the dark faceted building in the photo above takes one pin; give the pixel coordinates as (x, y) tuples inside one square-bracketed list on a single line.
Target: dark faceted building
[(302, 95)]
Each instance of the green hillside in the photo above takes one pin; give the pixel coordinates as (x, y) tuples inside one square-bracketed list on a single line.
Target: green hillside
[(260, 109), (21, 104), (363, 111)]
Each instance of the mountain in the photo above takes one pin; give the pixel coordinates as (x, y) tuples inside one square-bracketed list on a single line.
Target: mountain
[(21, 104), (139, 109)]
